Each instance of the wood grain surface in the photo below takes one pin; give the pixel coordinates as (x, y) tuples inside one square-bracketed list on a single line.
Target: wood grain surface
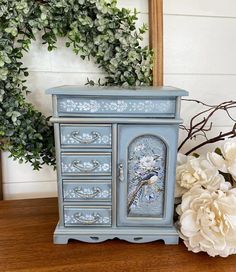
[(26, 229), (156, 39), (1, 182)]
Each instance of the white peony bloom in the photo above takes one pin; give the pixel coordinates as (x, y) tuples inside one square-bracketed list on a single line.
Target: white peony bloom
[(147, 162), (207, 221), (227, 163), (191, 171)]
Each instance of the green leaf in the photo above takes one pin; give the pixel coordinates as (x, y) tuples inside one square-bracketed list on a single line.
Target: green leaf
[(43, 16), (195, 155), (218, 151)]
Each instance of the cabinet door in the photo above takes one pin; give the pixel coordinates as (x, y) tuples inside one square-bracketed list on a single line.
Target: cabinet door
[(146, 174)]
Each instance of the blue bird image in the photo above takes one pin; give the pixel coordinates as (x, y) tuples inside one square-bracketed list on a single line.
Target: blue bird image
[(149, 179)]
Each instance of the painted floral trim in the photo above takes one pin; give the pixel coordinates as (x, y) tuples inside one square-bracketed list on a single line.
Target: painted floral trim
[(116, 106), (73, 194), (69, 168), (71, 219), (102, 139)]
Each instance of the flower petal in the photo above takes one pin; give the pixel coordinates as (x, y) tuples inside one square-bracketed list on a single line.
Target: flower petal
[(217, 161), (188, 223)]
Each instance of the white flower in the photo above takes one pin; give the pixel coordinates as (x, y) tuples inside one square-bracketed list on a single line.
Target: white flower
[(139, 147), (207, 221), (191, 171), (105, 139), (153, 180), (227, 163), (147, 162), (106, 167)]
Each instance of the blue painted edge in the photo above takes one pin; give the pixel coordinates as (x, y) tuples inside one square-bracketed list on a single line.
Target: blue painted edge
[(164, 91)]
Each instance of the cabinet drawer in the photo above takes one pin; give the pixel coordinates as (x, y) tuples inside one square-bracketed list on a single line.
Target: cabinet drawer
[(86, 163), (86, 190), (87, 216), (85, 136), (118, 106)]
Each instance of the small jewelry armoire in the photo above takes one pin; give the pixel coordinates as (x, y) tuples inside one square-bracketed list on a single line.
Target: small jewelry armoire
[(116, 159)]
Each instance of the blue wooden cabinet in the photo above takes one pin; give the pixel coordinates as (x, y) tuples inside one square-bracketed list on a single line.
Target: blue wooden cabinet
[(116, 158)]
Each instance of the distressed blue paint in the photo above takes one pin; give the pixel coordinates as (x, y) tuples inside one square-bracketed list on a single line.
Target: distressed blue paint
[(145, 92), (109, 141)]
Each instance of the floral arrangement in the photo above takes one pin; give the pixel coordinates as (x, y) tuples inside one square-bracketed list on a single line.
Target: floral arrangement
[(206, 195)]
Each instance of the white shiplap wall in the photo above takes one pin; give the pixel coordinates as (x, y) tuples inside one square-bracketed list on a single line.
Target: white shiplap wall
[(199, 38), (199, 55)]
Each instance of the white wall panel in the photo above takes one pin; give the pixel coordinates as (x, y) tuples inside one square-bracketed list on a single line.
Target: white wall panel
[(199, 45), (201, 7), (211, 89), (38, 57), (62, 59), (140, 5), (14, 172), (38, 82), (26, 190)]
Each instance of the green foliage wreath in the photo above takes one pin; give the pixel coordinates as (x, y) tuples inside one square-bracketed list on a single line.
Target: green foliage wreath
[(94, 29)]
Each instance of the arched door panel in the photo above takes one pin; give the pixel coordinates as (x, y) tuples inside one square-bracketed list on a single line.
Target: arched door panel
[(144, 174)]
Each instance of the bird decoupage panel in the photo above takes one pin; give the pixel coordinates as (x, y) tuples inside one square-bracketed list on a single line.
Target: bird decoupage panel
[(146, 177)]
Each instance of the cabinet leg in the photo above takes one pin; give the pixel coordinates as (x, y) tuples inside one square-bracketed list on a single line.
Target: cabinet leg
[(60, 240), (171, 240)]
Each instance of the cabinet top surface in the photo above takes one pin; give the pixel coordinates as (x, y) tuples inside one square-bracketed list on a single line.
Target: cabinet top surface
[(116, 91)]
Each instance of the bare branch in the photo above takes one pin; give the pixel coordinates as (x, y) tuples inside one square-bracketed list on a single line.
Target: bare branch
[(198, 127)]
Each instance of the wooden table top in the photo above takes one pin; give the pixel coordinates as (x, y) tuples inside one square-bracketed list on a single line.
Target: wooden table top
[(26, 230)]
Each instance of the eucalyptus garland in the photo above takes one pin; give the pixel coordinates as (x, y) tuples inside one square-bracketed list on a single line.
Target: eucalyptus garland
[(95, 29)]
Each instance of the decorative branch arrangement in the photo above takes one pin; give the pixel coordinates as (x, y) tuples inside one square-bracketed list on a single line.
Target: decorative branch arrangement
[(206, 185), (201, 123)]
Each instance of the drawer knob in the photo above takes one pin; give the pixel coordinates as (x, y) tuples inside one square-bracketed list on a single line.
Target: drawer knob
[(121, 172), (88, 167), (95, 191), (88, 139), (87, 219)]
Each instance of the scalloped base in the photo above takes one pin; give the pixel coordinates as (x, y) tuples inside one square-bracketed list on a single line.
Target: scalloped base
[(134, 235)]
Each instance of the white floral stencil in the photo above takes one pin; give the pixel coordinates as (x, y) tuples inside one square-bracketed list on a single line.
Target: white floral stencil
[(129, 105), (85, 164)]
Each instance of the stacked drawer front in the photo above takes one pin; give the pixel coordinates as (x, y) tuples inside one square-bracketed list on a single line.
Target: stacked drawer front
[(86, 174)]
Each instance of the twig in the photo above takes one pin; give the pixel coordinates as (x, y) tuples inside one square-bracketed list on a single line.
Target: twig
[(200, 127), (220, 137)]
